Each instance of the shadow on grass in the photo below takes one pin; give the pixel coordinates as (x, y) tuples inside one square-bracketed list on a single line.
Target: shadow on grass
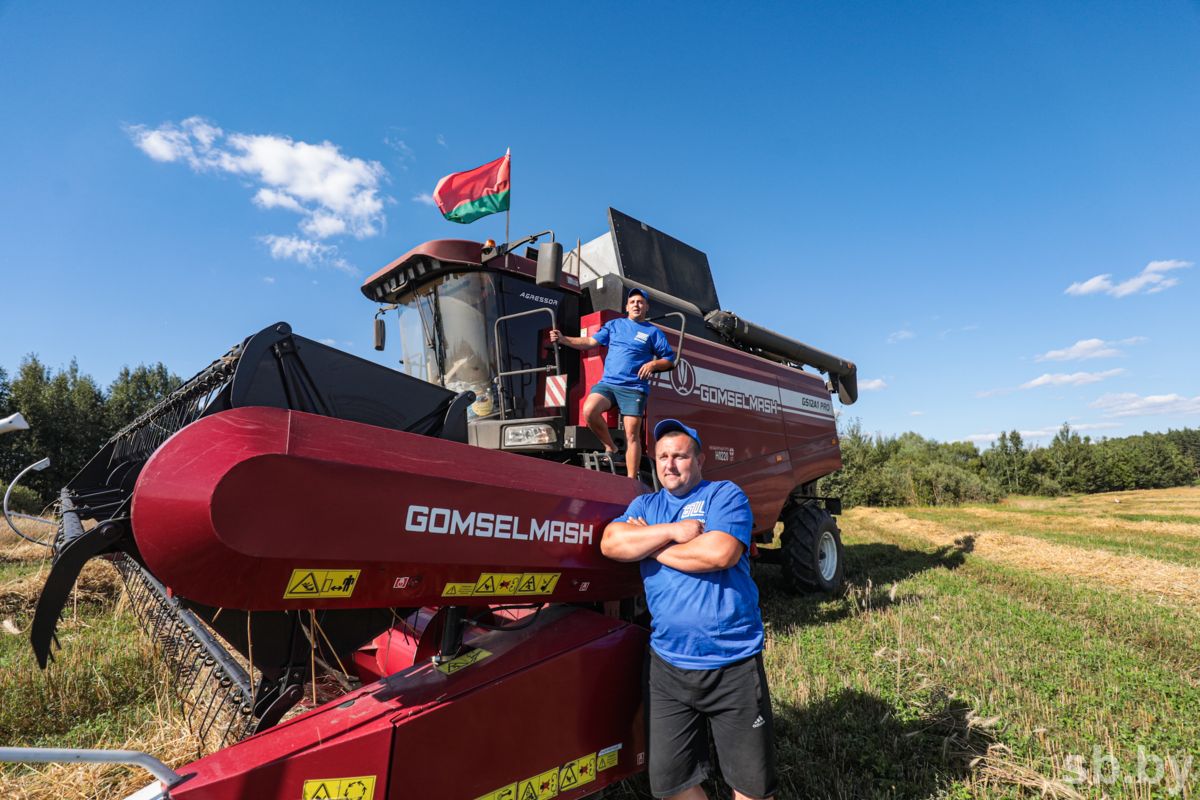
[(852, 745), (870, 568)]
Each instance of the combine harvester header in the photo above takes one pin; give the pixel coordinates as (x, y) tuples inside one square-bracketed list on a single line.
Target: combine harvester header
[(351, 567)]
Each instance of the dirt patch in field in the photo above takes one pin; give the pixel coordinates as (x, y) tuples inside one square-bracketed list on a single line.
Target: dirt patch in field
[(1135, 573)]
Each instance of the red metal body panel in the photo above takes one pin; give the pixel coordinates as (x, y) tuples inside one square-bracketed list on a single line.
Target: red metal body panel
[(593, 362), (767, 427), (229, 509), (566, 687)]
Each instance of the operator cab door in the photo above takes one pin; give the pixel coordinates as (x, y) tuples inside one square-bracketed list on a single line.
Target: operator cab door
[(524, 343)]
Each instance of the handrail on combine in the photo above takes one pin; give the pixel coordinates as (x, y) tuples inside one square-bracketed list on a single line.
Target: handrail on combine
[(682, 328), (53, 755), (500, 376)]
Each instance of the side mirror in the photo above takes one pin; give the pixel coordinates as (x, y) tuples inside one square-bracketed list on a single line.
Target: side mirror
[(549, 263), (380, 332)]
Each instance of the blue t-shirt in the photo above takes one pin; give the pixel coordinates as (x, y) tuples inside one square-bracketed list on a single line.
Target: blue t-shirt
[(630, 344), (702, 620)]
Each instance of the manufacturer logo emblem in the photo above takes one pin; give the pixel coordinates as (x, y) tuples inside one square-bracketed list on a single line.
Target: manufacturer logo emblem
[(683, 378)]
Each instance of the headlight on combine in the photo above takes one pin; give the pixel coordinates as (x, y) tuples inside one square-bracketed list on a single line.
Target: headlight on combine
[(529, 435)]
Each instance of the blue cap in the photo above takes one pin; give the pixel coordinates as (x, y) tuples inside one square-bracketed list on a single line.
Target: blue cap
[(669, 425), (638, 292)]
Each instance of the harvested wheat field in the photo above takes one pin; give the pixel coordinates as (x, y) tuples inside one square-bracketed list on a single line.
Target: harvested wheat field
[(1033, 648)]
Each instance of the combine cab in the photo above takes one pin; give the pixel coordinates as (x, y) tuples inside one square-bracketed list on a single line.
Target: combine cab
[(351, 567)]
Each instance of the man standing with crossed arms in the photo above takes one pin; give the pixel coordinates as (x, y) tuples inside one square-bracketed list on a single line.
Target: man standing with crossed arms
[(705, 663), (636, 350)]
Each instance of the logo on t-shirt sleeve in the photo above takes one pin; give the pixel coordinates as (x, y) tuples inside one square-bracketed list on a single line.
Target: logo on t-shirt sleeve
[(693, 510)]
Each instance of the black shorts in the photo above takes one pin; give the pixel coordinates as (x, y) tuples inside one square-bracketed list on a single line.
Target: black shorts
[(734, 701)]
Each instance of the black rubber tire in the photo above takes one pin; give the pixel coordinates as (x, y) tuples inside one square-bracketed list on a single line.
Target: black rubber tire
[(805, 524)]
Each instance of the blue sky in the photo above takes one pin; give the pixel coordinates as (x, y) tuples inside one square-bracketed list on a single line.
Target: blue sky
[(915, 187)]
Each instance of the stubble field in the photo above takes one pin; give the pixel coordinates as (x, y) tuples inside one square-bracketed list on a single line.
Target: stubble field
[(1034, 648)]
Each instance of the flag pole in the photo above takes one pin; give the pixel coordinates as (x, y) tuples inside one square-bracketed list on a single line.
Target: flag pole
[(508, 211)]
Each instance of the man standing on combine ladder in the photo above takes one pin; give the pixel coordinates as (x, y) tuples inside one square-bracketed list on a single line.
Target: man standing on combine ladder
[(636, 350), (705, 662)]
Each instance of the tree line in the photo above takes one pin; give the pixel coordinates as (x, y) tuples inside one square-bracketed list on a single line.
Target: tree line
[(908, 469), (71, 416)]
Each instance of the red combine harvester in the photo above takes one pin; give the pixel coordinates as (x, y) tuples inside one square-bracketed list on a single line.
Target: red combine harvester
[(379, 584)]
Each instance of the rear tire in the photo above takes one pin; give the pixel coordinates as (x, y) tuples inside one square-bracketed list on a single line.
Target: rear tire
[(812, 555)]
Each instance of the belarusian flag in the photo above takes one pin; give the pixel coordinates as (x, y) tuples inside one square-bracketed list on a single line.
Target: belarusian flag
[(467, 196)]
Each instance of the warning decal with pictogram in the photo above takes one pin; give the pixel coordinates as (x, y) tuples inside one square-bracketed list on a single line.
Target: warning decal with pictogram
[(539, 787), (578, 772), (463, 661), (359, 788), (312, 584)]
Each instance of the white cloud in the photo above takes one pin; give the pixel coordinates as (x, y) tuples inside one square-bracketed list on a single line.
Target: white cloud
[(1070, 379), (900, 336), (269, 198), (873, 385), (305, 251), (322, 226), (441, 140), (308, 252), (268, 280), (335, 194), (1089, 348), (1151, 280), (1128, 404), (425, 198), (916, 413), (330, 342)]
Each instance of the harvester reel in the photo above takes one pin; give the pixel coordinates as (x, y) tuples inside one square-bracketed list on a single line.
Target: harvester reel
[(813, 558)]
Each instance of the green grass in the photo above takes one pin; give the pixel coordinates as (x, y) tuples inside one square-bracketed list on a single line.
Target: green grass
[(877, 686), (939, 674)]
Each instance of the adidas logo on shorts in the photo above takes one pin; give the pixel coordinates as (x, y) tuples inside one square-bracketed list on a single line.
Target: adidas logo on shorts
[(759, 722)]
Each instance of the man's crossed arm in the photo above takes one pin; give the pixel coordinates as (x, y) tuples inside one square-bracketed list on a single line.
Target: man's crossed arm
[(683, 545)]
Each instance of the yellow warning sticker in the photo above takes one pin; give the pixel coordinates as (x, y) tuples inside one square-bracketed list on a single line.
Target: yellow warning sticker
[(538, 582), (539, 787), (463, 661), (360, 788), (608, 757), (550, 783), (578, 772), (505, 584), (307, 584), (497, 583), (507, 793)]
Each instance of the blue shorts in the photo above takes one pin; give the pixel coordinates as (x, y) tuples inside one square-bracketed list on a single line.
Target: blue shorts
[(630, 402)]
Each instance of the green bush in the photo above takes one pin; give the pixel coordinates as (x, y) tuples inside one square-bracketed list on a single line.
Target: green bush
[(23, 499)]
